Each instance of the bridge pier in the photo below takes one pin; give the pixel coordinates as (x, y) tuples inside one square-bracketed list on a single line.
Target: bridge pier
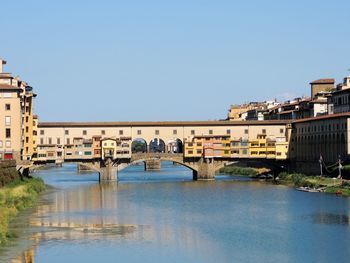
[(195, 175), (152, 165), (107, 171), (206, 170)]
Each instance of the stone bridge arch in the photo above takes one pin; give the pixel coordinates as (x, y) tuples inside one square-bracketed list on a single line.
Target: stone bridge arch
[(138, 158)]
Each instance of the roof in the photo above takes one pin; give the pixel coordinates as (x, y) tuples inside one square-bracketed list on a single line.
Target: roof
[(211, 136), (324, 117), (341, 91), (107, 139), (323, 81), (159, 124), (9, 87)]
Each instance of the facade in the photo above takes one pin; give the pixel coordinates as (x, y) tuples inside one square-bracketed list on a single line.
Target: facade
[(223, 146), (339, 100), (208, 146), (326, 136), (10, 112), (16, 103), (96, 147), (106, 139), (298, 108), (108, 148)]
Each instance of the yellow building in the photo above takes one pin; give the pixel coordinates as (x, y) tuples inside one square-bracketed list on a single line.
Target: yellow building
[(108, 146), (208, 146), (282, 147), (35, 136), (27, 121), (16, 103)]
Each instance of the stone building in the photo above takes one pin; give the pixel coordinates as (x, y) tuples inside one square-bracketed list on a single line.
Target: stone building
[(326, 136)]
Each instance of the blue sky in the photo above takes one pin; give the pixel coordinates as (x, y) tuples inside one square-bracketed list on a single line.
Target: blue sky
[(170, 60)]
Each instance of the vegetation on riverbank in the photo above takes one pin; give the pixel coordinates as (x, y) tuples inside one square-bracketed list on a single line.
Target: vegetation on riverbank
[(14, 197), (246, 171), (326, 184)]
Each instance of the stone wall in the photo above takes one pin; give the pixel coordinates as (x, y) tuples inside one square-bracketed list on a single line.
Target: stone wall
[(8, 172)]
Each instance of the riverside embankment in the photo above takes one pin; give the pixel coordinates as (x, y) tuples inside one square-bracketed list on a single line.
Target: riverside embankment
[(16, 194), (297, 180)]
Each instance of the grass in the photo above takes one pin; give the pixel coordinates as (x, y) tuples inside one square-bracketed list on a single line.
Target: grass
[(235, 170), (15, 197), (330, 185)]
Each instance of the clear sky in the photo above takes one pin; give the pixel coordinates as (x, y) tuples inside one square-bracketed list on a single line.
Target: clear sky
[(154, 60)]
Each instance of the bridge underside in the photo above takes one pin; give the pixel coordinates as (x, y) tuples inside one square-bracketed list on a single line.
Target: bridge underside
[(202, 168)]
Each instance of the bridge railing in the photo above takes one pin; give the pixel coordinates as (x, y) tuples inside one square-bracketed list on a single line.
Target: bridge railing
[(155, 155)]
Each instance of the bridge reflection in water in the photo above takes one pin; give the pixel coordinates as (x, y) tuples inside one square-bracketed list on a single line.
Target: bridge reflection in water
[(95, 212)]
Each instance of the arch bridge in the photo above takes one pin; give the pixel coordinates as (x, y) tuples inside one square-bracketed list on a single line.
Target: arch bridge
[(203, 169)]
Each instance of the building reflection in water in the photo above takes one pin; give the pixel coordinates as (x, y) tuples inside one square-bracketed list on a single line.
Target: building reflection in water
[(96, 212)]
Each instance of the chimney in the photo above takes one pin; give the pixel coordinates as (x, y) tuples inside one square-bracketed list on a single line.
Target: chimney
[(2, 62)]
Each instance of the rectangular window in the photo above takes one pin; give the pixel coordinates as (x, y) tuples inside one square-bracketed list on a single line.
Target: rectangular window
[(8, 133), (27, 139), (199, 151), (50, 141), (41, 132), (103, 132), (27, 129), (174, 132), (228, 131), (66, 132), (8, 144), (246, 131), (121, 132), (84, 132), (7, 120), (193, 132), (27, 119), (41, 141), (190, 152), (281, 130), (58, 140), (263, 131), (157, 132), (7, 107), (138, 132), (210, 131), (68, 141)]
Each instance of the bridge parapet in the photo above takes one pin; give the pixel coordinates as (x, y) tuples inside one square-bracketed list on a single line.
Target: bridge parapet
[(165, 156)]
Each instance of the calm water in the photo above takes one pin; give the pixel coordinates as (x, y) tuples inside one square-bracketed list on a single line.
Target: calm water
[(165, 217)]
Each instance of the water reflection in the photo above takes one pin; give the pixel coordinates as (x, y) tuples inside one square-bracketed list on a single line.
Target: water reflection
[(182, 221), (330, 219)]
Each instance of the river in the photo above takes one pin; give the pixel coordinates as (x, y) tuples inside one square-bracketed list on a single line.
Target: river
[(166, 217)]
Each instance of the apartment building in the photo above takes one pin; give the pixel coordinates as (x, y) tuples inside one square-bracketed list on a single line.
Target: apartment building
[(339, 100), (223, 146), (18, 126)]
